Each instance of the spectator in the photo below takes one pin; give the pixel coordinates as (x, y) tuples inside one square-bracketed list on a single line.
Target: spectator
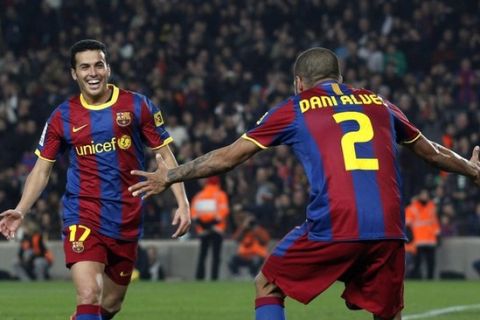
[(209, 214), (252, 249), (421, 217), (34, 258), (148, 264)]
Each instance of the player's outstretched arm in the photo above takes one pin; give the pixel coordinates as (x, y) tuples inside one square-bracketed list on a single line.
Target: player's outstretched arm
[(36, 181), (446, 159), (181, 218), (213, 163)]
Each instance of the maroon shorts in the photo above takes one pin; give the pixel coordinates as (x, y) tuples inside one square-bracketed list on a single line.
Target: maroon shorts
[(81, 243), (371, 270)]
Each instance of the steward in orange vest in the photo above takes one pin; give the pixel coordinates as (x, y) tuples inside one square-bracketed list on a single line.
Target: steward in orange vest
[(209, 211), (421, 217)]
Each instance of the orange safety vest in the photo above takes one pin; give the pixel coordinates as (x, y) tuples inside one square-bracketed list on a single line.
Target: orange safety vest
[(424, 222), (209, 204), (254, 243)]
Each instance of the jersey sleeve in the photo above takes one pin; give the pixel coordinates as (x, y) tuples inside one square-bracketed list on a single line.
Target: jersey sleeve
[(51, 139), (153, 127), (405, 131), (275, 127)]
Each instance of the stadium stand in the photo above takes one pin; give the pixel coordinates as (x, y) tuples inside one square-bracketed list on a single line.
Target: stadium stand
[(214, 67)]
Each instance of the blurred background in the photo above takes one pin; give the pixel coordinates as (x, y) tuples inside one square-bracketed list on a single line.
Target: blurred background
[(215, 67)]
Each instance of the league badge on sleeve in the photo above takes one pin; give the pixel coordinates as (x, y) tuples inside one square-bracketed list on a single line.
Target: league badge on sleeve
[(157, 117), (124, 119)]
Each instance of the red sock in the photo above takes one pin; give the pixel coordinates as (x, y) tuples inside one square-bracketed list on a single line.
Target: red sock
[(88, 312)]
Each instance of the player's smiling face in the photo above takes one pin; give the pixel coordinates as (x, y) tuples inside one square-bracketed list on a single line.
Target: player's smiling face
[(91, 73)]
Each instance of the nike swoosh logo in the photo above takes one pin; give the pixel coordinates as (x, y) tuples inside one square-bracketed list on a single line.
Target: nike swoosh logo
[(125, 274), (79, 128)]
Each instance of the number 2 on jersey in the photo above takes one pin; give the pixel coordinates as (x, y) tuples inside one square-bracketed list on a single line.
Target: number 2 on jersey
[(363, 134)]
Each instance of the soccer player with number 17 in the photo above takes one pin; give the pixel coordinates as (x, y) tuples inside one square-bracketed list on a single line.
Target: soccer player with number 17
[(103, 130)]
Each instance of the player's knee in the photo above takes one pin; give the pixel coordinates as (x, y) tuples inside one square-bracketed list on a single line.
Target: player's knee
[(89, 295), (265, 288), (260, 281)]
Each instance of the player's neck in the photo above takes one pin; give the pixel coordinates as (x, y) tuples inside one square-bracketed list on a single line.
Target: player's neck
[(325, 80), (98, 100)]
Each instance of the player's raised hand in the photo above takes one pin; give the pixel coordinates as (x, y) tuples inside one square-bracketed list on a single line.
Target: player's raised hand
[(476, 161), (155, 182), (10, 220), (182, 219)]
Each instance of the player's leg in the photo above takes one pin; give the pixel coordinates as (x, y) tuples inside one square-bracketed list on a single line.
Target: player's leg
[(375, 281), (117, 275), (112, 298), (88, 280), (269, 300), (85, 255), (298, 268)]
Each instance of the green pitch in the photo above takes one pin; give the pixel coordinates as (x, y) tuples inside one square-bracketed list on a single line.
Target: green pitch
[(224, 300)]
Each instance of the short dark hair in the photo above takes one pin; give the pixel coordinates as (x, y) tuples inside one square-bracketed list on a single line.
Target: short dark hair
[(84, 45), (316, 64)]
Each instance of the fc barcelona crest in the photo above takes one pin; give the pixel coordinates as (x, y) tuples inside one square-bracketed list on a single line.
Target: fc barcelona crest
[(77, 246), (123, 119)]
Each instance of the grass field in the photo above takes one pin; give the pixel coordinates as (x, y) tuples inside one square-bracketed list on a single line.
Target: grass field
[(225, 300)]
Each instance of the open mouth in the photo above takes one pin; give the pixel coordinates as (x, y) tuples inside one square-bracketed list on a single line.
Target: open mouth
[(93, 84)]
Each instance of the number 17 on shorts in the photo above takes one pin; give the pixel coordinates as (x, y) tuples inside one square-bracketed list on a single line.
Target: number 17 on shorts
[(77, 235)]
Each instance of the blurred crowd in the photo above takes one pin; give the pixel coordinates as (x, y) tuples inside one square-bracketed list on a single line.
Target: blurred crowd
[(215, 67)]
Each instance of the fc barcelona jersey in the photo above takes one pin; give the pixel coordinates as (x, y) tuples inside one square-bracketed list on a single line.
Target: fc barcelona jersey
[(104, 143), (346, 140)]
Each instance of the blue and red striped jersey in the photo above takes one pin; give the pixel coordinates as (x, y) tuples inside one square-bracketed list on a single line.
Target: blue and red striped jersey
[(104, 144), (346, 140)]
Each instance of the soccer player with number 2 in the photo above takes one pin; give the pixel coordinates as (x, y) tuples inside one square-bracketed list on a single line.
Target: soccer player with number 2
[(346, 140), (104, 131)]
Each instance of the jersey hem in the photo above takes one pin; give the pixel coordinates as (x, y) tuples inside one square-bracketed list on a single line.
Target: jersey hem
[(167, 141), (37, 153), (244, 136), (413, 140)]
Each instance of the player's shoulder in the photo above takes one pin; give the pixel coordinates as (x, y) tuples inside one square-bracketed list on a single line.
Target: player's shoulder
[(284, 104), (364, 91), (134, 94), (360, 90), (66, 105)]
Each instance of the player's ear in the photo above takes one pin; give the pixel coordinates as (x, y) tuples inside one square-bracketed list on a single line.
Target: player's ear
[(109, 71), (74, 75), (297, 84)]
